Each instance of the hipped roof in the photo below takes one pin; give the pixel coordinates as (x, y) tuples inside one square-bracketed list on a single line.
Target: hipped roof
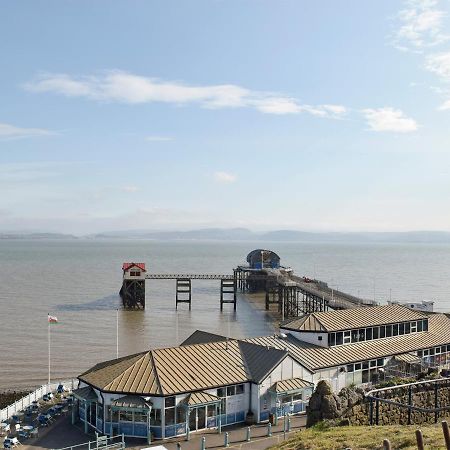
[(347, 319), (188, 368), (314, 357)]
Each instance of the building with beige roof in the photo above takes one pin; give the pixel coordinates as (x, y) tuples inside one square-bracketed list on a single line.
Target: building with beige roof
[(212, 381)]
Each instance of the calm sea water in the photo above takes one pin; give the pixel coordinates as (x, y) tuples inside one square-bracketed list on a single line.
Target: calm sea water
[(78, 281)]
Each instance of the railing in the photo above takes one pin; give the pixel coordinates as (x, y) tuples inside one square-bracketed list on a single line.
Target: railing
[(374, 398), (26, 401), (102, 442), (192, 276)]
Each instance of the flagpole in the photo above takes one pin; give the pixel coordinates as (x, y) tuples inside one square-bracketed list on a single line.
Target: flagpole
[(117, 333), (49, 351)]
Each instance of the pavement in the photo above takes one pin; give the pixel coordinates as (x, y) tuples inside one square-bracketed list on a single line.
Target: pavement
[(63, 434)]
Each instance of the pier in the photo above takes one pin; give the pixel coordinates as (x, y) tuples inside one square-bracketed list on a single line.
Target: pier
[(293, 295)]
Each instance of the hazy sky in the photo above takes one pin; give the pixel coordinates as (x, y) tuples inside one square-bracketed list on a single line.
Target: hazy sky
[(313, 115)]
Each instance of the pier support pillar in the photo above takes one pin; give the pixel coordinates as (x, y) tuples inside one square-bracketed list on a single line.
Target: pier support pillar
[(228, 292), (183, 292), (133, 294)]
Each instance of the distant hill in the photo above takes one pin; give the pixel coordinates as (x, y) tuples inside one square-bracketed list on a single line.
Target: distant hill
[(36, 236), (243, 234)]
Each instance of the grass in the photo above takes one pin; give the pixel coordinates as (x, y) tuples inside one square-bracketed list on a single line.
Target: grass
[(321, 437)]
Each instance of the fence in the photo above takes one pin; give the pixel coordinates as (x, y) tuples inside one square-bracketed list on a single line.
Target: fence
[(433, 406), (101, 443), (22, 403)]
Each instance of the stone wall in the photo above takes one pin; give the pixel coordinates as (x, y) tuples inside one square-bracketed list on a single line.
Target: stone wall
[(350, 406)]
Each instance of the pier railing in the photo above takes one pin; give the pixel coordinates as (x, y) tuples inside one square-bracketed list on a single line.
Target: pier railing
[(26, 401)]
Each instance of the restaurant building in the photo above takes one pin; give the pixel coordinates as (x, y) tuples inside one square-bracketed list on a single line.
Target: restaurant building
[(211, 381)]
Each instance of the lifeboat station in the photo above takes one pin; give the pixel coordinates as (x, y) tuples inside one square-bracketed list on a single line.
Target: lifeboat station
[(212, 381)]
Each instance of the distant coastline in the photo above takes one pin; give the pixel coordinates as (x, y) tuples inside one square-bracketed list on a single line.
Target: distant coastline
[(243, 234)]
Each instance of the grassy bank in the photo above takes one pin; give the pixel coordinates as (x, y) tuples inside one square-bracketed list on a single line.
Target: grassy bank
[(364, 438), (7, 398)]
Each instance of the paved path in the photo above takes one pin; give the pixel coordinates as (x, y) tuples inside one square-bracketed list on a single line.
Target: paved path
[(63, 434)]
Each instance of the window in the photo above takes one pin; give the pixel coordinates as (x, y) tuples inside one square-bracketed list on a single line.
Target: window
[(373, 363), (369, 334), (140, 417), (155, 417), (355, 335), (382, 331), (135, 274), (380, 362), (239, 389), (358, 366), (350, 368), (347, 337), (231, 390), (388, 330), (407, 328), (181, 414), (401, 329), (413, 327), (211, 410), (425, 325), (362, 335), (376, 332), (419, 325), (332, 339), (170, 416), (339, 338), (297, 397), (221, 392), (320, 338), (394, 329), (169, 402), (126, 416)]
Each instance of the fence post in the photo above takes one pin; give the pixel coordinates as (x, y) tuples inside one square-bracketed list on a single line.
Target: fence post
[(446, 434), (436, 413), (248, 434), (409, 404), (377, 411), (289, 424), (371, 411), (269, 429), (386, 444), (226, 442), (419, 439), (203, 444)]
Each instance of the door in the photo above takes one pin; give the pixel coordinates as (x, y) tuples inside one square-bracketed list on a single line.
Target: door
[(197, 418), (201, 418), (193, 419)]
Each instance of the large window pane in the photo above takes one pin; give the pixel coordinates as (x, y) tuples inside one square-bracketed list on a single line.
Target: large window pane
[(169, 401), (339, 338), (170, 416)]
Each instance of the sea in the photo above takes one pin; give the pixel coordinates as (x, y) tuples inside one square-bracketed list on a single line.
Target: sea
[(78, 281)]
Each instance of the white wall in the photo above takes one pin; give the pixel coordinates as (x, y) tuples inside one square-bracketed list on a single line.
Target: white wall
[(312, 338), (288, 368)]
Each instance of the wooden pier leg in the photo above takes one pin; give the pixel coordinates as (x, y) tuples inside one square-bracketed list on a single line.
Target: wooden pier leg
[(183, 292), (227, 290)]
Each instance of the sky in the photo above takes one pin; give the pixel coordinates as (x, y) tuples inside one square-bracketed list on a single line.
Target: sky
[(169, 115)]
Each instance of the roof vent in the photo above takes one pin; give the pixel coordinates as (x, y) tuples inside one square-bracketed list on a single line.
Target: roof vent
[(283, 336)]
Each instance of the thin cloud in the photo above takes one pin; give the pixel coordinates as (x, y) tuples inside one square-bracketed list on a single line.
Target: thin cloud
[(389, 119), (225, 177), (8, 131), (420, 25), (123, 87), (439, 64), (159, 138), (130, 189)]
